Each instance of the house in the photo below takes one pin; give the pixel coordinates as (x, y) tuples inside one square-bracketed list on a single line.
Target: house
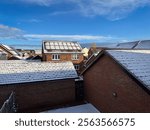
[(119, 81), (3, 55), (11, 52), (95, 50), (62, 51), (141, 44), (85, 52), (38, 86)]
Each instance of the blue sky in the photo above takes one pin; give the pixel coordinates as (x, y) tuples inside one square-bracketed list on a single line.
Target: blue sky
[(28, 22)]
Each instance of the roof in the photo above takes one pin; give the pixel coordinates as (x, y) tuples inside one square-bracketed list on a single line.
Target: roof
[(145, 44), (38, 51), (141, 44), (61, 46), (10, 49), (137, 62), (2, 52), (85, 108), (127, 45), (30, 71)]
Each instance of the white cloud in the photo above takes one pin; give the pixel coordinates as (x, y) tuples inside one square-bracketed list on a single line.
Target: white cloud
[(38, 2), (10, 32), (7, 32), (111, 9), (33, 20), (67, 37)]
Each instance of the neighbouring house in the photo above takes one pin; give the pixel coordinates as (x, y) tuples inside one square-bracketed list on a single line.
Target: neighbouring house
[(38, 86), (38, 52), (10, 51), (3, 55), (85, 52), (119, 81), (95, 50), (141, 44), (37, 57), (62, 51)]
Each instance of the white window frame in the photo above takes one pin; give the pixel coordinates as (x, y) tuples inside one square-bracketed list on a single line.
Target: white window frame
[(55, 57), (75, 56), (76, 67)]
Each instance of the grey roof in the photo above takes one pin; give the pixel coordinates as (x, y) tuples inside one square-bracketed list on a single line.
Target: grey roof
[(127, 45), (137, 62), (50, 46), (85, 108), (141, 44), (20, 71), (145, 44)]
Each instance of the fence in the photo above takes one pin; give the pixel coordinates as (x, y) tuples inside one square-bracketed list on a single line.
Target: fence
[(9, 105)]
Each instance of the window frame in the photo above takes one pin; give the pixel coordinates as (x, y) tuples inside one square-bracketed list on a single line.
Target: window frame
[(77, 67), (55, 56), (75, 56)]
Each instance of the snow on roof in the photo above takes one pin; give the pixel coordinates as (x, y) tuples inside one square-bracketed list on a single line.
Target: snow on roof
[(38, 51), (127, 45), (145, 44), (50, 46), (19, 71), (2, 52), (11, 50), (85, 108), (137, 62)]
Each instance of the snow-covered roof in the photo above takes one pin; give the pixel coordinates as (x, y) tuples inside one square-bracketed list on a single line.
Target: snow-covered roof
[(10, 49), (59, 46), (2, 52), (145, 44), (137, 62), (19, 71), (127, 45), (85, 108), (38, 51)]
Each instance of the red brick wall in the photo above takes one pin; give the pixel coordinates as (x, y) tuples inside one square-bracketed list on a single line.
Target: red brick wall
[(106, 77), (63, 57), (35, 96)]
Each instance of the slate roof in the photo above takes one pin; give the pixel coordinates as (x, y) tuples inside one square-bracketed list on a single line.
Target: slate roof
[(30, 71), (61, 46), (145, 44), (127, 45), (137, 62), (141, 44)]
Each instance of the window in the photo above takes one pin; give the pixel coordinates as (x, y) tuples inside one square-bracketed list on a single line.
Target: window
[(76, 67), (75, 56), (55, 57)]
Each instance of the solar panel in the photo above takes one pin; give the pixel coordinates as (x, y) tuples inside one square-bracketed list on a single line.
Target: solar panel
[(60, 45), (51, 43), (57, 47), (52, 47)]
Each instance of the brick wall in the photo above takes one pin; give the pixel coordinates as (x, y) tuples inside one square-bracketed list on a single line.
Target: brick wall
[(37, 96), (63, 57), (104, 79)]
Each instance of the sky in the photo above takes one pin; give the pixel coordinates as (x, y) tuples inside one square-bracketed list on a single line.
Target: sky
[(28, 22)]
